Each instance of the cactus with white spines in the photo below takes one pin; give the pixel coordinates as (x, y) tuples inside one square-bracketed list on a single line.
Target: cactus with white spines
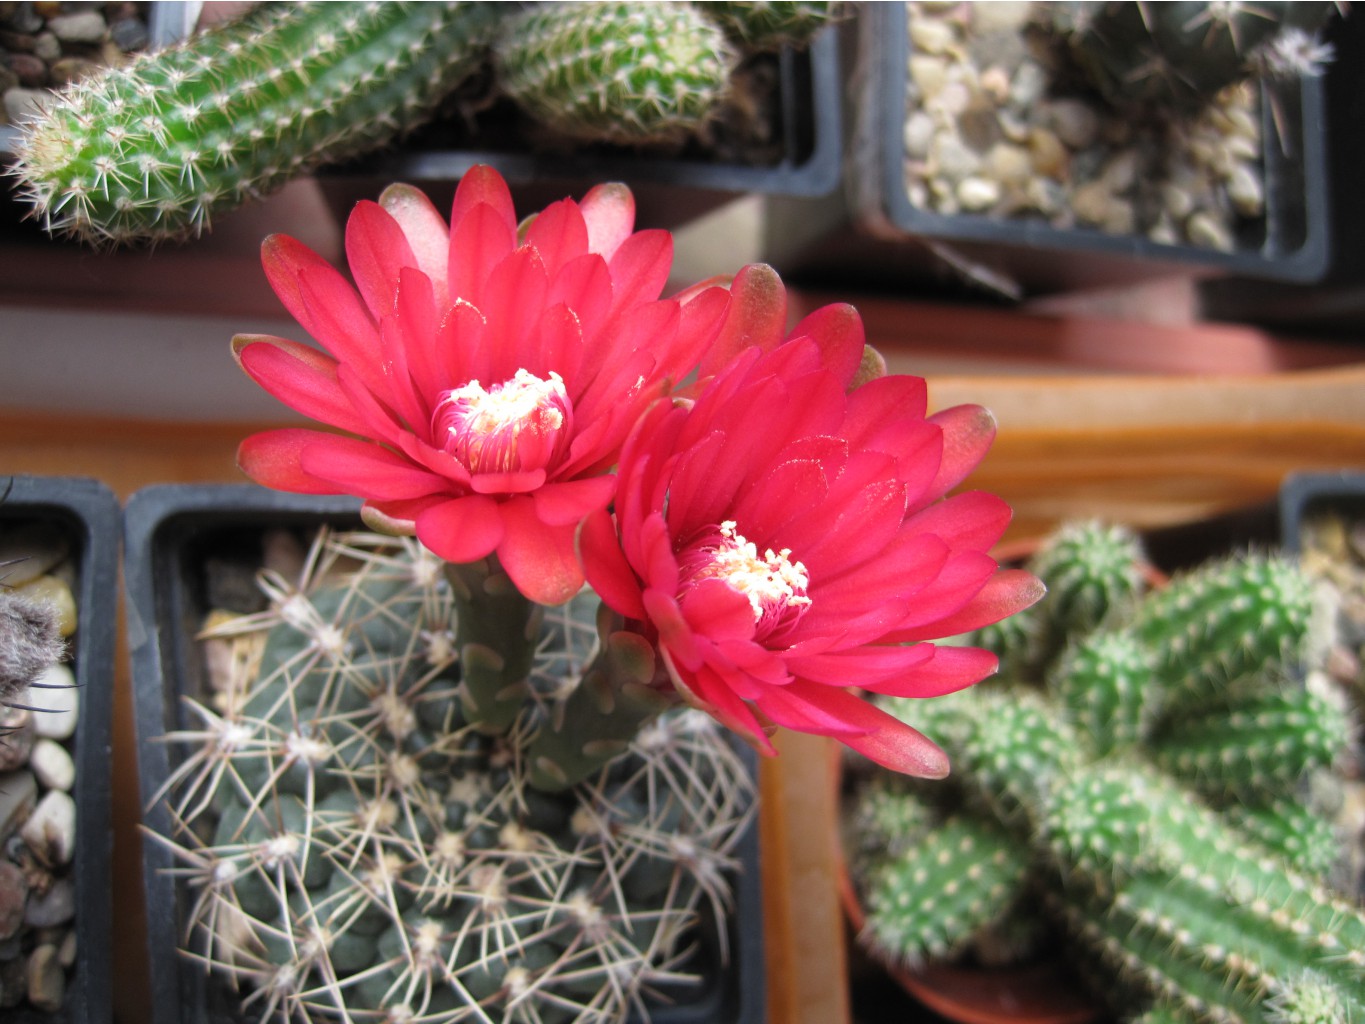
[(353, 844), (1178, 846), (152, 150), (755, 25), (612, 71)]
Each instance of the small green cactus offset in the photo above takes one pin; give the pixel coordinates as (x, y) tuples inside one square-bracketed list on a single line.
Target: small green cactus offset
[(1146, 782), (357, 849)]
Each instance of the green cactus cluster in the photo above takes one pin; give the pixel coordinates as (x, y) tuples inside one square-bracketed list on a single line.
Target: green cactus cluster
[(1186, 52), (151, 151), (1146, 789), (354, 847)]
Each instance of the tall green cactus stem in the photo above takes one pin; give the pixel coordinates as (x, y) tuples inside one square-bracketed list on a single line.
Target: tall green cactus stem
[(496, 639), (1182, 52), (1166, 890), (619, 71), (1211, 629), (1260, 747), (151, 151), (354, 849), (1105, 682), (756, 25), (1299, 834), (962, 877)]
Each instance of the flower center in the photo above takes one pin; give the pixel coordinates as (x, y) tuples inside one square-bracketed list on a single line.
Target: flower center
[(774, 584), (520, 424)]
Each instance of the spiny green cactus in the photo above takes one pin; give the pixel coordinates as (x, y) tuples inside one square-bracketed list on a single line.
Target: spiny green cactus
[(1095, 765), (755, 25), (1092, 569), (1182, 52), (355, 845), (151, 150), (616, 71)]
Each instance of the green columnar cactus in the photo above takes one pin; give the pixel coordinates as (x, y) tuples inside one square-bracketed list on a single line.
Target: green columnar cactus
[(1214, 629), (150, 151), (1184, 52), (358, 849), (1096, 764), (616, 71)]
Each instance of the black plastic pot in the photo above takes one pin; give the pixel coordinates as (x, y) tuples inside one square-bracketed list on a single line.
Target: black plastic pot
[(88, 514), (877, 234), (1304, 496), (169, 532)]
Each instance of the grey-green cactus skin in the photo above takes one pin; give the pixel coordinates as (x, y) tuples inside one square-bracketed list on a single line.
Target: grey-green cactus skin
[(1153, 778), (151, 151), (1181, 52), (616, 70), (353, 844)]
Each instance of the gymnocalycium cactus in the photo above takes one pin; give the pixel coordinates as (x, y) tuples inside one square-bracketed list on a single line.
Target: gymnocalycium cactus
[(151, 151), (1186, 52), (1148, 785), (358, 849)]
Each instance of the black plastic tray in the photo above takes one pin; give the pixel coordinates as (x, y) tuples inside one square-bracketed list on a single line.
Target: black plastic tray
[(1296, 244), (1303, 495), (88, 513), (168, 531)]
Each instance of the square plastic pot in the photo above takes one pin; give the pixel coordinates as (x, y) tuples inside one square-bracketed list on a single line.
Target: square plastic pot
[(87, 513), (170, 530)]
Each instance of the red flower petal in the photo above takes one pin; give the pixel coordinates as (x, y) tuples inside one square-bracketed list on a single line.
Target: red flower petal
[(427, 234), (968, 431), (866, 728), (838, 330), (298, 375), (639, 267), (366, 470), (1007, 592), (862, 667), (559, 234), (606, 568), (609, 213), (974, 519), (462, 530), (479, 241), (271, 458), (483, 186), (717, 611), (757, 317), (710, 692), (566, 503), (376, 251), (540, 559)]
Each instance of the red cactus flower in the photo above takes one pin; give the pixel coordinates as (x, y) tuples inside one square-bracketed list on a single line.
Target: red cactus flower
[(784, 538), (487, 375)]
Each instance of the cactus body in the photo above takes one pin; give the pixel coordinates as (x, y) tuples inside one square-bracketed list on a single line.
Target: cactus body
[(1096, 763), (755, 25), (616, 71), (1182, 52), (152, 150), (357, 845)]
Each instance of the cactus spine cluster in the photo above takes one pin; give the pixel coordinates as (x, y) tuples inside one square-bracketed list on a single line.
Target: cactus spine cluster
[(1186, 52), (355, 848), (1147, 783), (151, 150)]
